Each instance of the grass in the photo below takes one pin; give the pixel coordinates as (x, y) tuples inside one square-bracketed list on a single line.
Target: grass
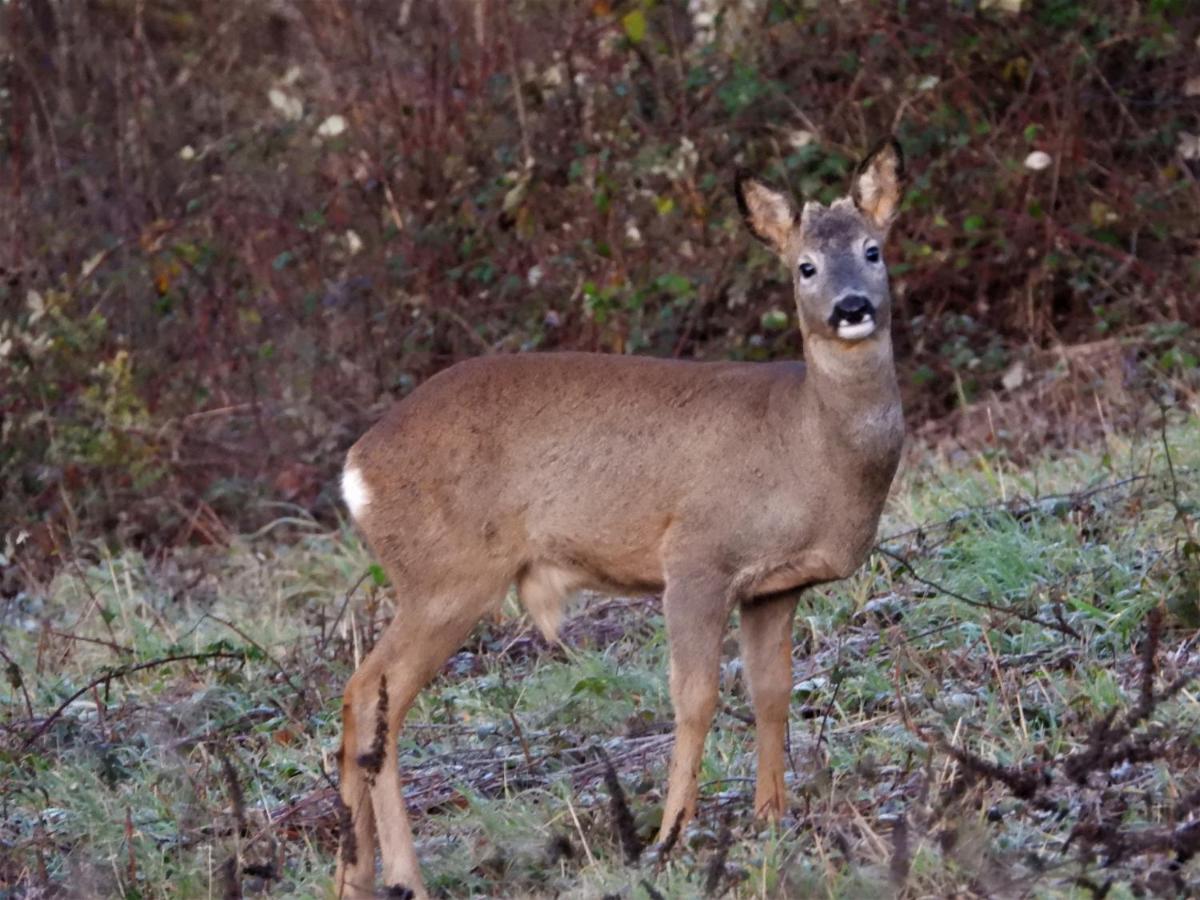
[(1008, 611)]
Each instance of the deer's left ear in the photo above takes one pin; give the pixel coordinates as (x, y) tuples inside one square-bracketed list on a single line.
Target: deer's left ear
[(879, 183)]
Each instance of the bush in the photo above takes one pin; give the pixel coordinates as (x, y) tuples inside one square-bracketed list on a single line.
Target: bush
[(236, 232)]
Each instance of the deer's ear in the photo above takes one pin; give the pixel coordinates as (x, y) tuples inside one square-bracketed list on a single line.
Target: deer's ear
[(879, 184), (769, 214)]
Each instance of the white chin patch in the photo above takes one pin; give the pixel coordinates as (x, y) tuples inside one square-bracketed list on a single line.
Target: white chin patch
[(857, 331), (354, 489)]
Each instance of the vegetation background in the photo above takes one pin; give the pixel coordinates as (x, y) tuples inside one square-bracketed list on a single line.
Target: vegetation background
[(232, 233)]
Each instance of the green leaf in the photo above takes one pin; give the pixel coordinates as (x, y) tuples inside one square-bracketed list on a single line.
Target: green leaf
[(378, 576), (774, 320), (1081, 605), (188, 252), (593, 684), (675, 284), (635, 25), (923, 376), (810, 687)]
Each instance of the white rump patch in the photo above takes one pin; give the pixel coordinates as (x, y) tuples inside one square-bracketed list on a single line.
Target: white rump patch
[(354, 490), (857, 331)]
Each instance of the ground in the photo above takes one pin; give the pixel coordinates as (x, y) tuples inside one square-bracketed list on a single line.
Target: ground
[(998, 704)]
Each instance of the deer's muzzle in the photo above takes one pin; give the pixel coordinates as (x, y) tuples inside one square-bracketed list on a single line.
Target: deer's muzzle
[(853, 317)]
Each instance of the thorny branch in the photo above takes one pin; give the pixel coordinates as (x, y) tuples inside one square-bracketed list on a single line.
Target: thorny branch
[(1111, 740)]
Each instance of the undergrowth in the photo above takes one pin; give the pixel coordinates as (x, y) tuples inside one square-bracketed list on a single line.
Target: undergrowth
[(998, 704), (234, 233)]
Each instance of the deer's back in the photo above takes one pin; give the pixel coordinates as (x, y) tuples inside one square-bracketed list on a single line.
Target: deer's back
[(539, 423)]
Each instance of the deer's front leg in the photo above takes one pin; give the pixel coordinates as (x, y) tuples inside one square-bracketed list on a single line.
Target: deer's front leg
[(696, 608), (766, 638)]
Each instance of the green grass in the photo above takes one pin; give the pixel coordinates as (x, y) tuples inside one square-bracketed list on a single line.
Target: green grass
[(1005, 619)]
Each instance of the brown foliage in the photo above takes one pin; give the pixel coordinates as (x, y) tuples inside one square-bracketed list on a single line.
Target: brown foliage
[(209, 288)]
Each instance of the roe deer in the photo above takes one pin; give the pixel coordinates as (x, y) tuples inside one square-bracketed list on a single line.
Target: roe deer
[(720, 484)]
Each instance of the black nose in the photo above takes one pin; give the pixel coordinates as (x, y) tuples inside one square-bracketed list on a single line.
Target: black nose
[(851, 310)]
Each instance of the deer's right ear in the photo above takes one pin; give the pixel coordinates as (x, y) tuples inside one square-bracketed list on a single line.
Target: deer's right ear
[(769, 214)]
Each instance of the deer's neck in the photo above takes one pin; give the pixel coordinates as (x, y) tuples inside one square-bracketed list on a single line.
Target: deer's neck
[(852, 403)]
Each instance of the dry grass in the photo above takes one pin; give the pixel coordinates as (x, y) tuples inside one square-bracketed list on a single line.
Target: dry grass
[(998, 705)]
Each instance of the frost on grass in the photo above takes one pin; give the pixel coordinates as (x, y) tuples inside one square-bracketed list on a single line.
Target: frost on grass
[(996, 703)]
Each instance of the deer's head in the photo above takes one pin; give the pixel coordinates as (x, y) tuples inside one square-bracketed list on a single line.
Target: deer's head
[(835, 253)]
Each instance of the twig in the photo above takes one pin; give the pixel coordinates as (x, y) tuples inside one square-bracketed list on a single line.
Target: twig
[(1162, 431), (16, 679), (464, 325), (512, 715), (237, 799), (1075, 497), (579, 830), (299, 689), (901, 860), (94, 600), (219, 411), (341, 612), (522, 120), (622, 816), (1023, 783), (715, 870), (131, 865), (837, 687), (1154, 622), (1060, 627), (120, 648), (121, 672)]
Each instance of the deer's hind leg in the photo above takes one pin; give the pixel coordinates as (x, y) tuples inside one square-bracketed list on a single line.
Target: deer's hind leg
[(427, 629), (356, 854)]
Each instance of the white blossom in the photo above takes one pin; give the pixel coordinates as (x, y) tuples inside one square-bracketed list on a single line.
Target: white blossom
[(1038, 160), (332, 126), (286, 105)]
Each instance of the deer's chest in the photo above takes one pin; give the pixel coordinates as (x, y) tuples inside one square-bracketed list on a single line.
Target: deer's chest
[(819, 533)]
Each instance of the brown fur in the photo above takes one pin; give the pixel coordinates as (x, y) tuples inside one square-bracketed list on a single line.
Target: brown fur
[(717, 483)]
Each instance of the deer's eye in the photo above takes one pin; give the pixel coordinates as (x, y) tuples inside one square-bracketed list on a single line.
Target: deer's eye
[(807, 270), (872, 254)]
